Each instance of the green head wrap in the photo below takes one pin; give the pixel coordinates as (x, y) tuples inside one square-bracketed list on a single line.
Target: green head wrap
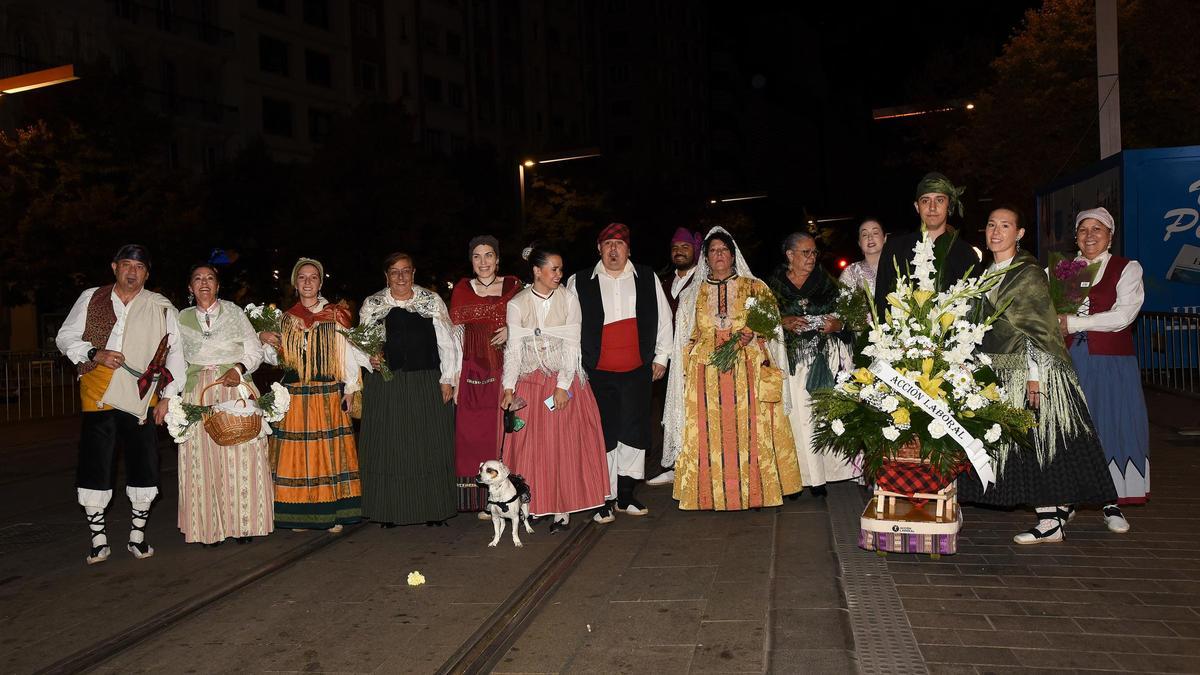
[(938, 183)]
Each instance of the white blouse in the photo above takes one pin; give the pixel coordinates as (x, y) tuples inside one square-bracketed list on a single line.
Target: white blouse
[(1124, 311), (543, 334)]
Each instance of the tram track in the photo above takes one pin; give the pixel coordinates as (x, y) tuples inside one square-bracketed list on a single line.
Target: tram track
[(479, 653), (102, 650)]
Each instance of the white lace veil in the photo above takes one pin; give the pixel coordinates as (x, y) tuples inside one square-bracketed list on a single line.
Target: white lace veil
[(685, 323)]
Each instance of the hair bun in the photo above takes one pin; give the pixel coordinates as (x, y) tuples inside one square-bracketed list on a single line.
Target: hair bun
[(526, 252)]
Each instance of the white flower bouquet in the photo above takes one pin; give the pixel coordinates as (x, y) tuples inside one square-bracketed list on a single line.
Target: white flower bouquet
[(182, 417), (266, 318), (927, 385)]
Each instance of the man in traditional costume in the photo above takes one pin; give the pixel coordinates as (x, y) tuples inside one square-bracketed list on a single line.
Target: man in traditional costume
[(124, 340), (936, 198), (685, 252), (626, 342)]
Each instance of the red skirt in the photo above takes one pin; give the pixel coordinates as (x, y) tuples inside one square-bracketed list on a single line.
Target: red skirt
[(560, 453)]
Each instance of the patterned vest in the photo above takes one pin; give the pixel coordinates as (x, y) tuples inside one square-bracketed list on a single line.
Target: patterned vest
[(98, 324)]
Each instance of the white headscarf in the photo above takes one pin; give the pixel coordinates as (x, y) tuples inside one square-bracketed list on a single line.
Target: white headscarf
[(685, 323)]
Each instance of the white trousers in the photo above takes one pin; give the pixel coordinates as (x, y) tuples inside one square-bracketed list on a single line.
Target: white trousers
[(624, 460)]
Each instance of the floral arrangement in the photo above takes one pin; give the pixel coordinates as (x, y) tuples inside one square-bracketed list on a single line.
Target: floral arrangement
[(370, 339), (265, 318), (762, 319), (925, 341), (1070, 282), (854, 307), (182, 417)]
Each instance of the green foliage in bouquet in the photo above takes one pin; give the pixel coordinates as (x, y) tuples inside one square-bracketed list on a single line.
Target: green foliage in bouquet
[(370, 340), (762, 318)]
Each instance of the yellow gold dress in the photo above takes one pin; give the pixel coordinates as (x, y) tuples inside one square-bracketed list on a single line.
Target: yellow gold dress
[(737, 451)]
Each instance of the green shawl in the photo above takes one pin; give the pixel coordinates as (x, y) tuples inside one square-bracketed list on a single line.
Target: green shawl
[(1030, 314), (1028, 329), (817, 296)]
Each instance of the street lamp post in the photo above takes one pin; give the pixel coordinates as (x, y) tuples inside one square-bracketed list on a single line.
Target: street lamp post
[(531, 162)]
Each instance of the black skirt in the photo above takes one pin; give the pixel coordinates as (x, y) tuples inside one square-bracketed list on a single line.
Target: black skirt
[(406, 449)]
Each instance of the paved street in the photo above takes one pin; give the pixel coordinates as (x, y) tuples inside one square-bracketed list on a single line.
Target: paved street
[(672, 592)]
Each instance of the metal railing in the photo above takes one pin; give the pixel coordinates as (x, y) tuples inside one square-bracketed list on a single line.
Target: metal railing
[(37, 385), (1167, 345)]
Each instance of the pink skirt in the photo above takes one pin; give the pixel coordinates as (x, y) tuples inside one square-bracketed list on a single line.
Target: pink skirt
[(559, 453)]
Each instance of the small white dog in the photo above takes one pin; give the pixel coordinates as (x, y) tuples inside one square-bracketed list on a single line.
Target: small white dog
[(508, 499)]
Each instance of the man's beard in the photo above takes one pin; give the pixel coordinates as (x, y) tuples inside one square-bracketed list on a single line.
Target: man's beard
[(684, 266)]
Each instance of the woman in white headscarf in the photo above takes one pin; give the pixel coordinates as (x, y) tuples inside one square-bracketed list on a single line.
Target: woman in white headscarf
[(727, 431)]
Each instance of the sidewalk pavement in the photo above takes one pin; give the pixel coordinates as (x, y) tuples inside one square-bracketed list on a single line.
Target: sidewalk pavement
[(1096, 602)]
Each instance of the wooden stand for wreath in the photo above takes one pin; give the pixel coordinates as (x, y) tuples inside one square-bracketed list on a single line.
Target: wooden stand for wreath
[(897, 519)]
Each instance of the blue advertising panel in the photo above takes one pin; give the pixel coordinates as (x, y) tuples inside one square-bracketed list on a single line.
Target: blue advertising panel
[(1162, 224)]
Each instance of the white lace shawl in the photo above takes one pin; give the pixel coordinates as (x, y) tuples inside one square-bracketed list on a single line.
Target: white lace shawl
[(534, 344), (685, 323), (230, 340)]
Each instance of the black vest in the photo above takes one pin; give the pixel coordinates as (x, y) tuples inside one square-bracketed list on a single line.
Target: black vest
[(587, 287), (411, 342)]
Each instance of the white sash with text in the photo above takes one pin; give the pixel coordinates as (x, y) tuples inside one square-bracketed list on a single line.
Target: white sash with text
[(935, 409)]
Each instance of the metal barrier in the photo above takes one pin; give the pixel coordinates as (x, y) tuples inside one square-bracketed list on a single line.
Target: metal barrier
[(37, 385), (1168, 351)]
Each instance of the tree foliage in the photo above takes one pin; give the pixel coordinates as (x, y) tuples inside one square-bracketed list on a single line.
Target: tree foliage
[(1036, 121)]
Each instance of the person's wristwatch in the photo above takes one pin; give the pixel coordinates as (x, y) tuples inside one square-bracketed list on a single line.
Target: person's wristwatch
[(91, 354)]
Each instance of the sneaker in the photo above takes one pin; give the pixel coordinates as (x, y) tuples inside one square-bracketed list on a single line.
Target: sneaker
[(483, 515), (1115, 520), (664, 478), (604, 515), (1049, 529), (1070, 513)]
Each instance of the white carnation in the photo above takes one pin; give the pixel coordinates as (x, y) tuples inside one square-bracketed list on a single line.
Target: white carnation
[(936, 429), (992, 434), (838, 427), (891, 433), (975, 402), (888, 404)]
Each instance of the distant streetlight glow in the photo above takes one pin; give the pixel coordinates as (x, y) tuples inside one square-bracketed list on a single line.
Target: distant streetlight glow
[(737, 198), (37, 79), (529, 163), (970, 106)]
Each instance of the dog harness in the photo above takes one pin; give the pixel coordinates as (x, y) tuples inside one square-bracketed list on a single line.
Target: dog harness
[(522, 488)]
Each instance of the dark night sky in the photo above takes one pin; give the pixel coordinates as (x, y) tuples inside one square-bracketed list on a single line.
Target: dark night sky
[(811, 141)]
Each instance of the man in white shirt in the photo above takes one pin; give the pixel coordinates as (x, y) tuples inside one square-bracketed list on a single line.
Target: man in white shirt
[(685, 253), (626, 341), (124, 340)]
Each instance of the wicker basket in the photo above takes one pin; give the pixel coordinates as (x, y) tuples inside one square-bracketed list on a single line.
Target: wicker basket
[(227, 429)]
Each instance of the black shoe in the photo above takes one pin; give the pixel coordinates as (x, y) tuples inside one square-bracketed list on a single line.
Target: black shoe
[(436, 523), (243, 540), (388, 526), (794, 496), (214, 544), (818, 491), (557, 526)]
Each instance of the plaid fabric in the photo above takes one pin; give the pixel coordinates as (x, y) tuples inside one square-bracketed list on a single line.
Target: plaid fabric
[(614, 231), (909, 478)]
